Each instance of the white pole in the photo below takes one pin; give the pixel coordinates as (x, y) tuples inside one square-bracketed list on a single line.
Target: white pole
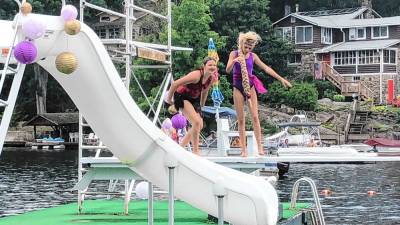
[(381, 77)]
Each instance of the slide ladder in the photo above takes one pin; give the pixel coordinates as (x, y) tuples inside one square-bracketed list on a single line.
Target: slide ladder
[(15, 73)]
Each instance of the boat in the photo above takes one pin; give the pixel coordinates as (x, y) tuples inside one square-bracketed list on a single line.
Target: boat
[(299, 136)]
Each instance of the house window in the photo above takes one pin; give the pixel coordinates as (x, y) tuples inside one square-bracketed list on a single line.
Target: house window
[(358, 33), (294, 59), (389, 56), (284, 32), (114, 33), (304, 35), (345, 58), (102, 33), (326, 35), (380, 32), (369, 57)]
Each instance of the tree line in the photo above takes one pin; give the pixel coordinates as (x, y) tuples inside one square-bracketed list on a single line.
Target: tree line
[(194, 22)]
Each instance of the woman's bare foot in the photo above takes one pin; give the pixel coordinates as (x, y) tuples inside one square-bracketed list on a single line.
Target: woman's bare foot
[(243, 154)]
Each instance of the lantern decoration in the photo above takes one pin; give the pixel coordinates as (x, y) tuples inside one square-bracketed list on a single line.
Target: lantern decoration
[(26, 8), (69, 12), (25, 52), (142, 190), (33, 28), (166, 124), (66, 62), (178, 121), (72, 27)]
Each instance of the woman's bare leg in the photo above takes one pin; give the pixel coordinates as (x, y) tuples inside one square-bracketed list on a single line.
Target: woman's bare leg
[(197, 124), (256, 121), (238, 100)]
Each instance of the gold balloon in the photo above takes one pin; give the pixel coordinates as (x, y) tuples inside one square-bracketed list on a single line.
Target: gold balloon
[(26, 8), (72, 27), (66, 62), (172, 110)]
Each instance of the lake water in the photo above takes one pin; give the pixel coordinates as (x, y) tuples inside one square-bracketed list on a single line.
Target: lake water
[(32, 180)]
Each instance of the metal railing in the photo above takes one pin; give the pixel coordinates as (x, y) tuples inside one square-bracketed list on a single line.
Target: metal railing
[(295, 193)]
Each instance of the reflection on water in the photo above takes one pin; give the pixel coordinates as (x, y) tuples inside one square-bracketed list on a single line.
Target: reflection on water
[(31, 180)]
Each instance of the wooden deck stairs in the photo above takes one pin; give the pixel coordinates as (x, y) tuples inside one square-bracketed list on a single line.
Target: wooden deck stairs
[(347, 88), (356, 122)]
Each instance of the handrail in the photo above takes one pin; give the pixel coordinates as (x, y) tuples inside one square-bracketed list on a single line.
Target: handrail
[(295, 192), (350, 118), (330, 72)]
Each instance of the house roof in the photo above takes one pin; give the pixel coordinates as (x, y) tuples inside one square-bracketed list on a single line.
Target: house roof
[(342, 18), (359, 45), (53, 119)]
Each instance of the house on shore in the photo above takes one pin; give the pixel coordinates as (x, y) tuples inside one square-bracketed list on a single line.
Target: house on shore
[(354, 48)]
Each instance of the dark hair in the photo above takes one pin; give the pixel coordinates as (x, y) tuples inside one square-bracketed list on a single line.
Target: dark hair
[(208, 58)]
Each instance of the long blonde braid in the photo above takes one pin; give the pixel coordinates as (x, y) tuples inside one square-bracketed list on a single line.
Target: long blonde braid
[(245, 74), (242, 59)]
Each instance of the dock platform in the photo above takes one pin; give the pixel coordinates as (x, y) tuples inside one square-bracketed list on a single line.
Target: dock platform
[(105, 212)]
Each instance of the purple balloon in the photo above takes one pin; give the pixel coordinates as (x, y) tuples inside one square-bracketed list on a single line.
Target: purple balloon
[(25, 52), (166, 124), (178, 121), (69, 12), (33, 28)]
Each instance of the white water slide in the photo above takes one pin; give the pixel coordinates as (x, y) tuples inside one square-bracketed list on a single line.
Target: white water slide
[(98, 92)]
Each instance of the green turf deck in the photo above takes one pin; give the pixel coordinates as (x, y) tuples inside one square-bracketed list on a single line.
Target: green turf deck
[(289, 213), (105, 212)]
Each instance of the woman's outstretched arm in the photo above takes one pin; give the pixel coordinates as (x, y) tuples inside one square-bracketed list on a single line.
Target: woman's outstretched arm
[(270, 71)]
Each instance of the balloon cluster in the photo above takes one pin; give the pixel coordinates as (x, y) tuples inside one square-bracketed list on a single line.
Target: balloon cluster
[(173, 127), (66, 62), (33, 28)]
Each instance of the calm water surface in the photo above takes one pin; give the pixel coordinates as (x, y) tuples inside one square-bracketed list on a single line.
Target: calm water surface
[(32, 180)]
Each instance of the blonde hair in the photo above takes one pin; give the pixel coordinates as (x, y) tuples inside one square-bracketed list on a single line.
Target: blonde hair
[(250, 35), (243, 37)]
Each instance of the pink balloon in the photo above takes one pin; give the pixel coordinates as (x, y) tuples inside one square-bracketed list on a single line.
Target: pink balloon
[(69, 12), (33, 28)]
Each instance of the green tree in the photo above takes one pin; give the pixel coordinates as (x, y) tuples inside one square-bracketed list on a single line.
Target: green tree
[(302, 96), (234, 16)]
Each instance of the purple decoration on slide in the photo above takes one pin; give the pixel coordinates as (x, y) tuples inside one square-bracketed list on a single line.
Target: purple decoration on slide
[(69, 12), (25, 52), (178, 121), (166, 124), (33, 28)]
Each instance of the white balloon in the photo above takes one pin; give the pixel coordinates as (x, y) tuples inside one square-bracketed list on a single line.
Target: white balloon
[(142, 190)]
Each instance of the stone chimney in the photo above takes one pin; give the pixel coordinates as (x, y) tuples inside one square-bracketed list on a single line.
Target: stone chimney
[(366, 3), (288, 10), (368, 12)]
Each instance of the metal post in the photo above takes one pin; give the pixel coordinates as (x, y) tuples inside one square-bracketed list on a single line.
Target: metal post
[(128, 37), (81, 8), (80, 143), (171, 205), (220, 210), (150, 213), (220, 192)]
